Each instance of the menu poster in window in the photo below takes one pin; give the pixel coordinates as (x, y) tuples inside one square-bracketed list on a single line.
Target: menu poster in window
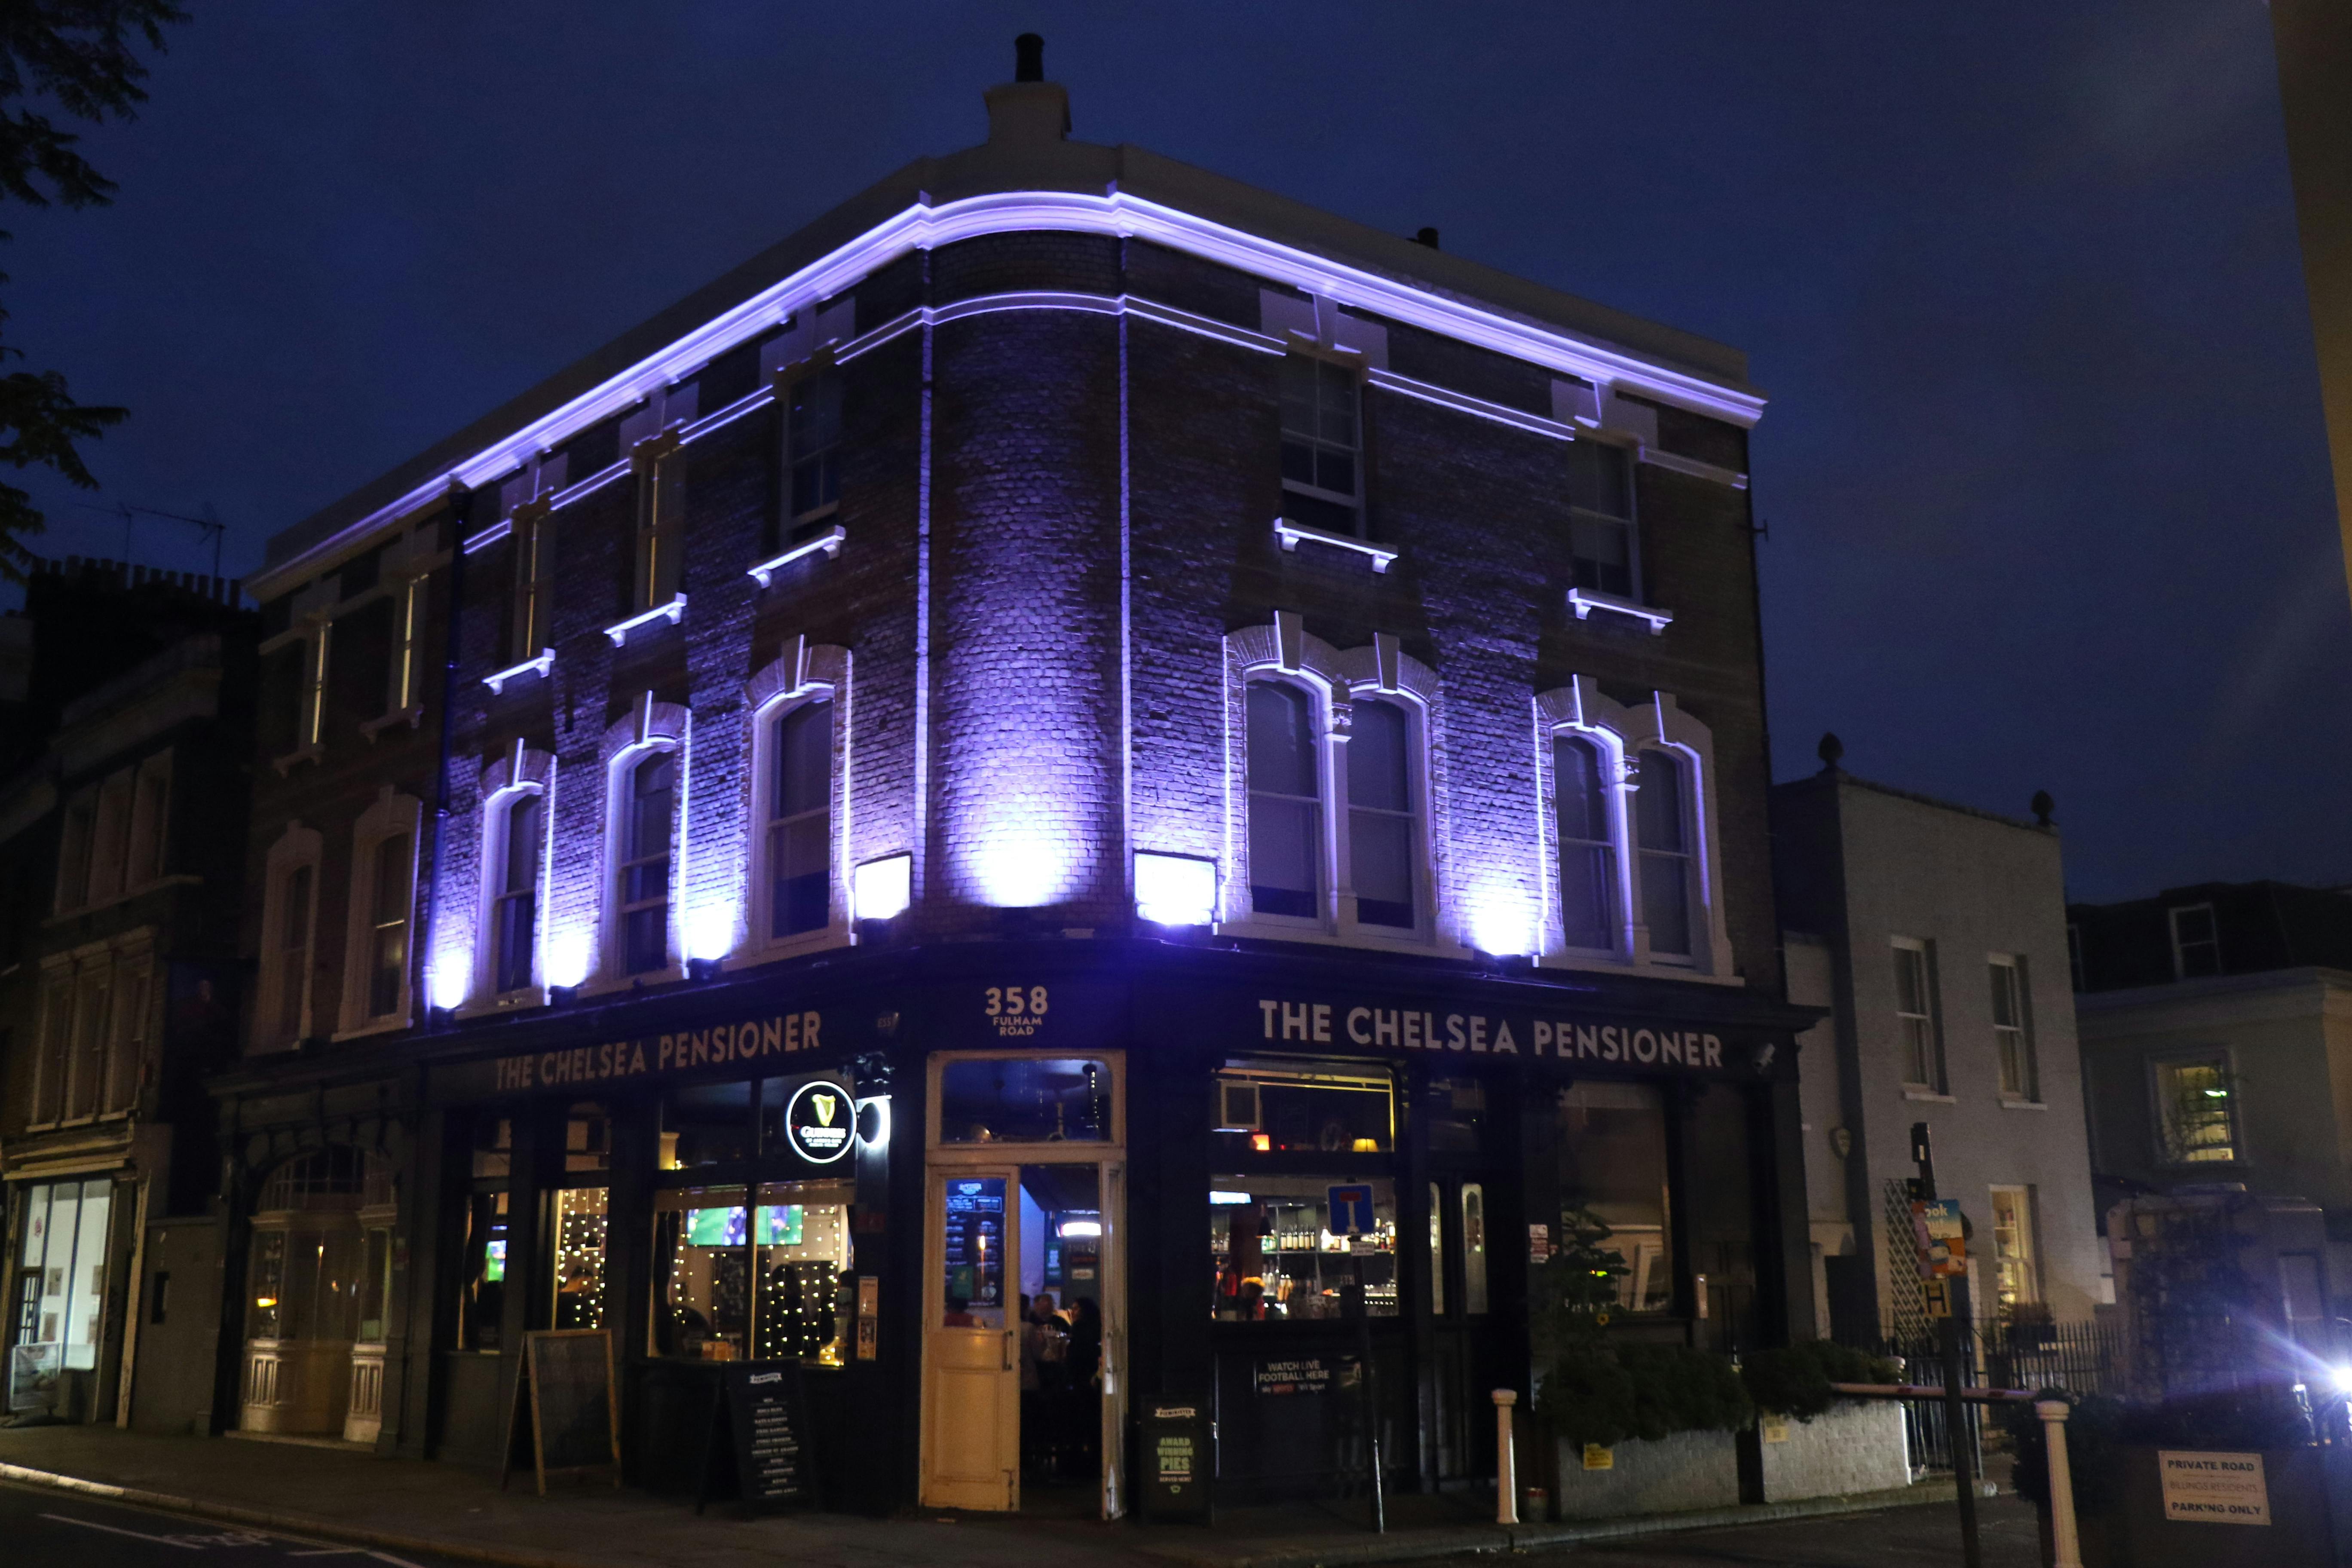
[(566, 1381), (975, 1243), (763, 1417)]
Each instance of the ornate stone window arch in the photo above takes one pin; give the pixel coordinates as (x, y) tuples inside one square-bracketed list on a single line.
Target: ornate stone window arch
[(380, 963), (797, 823), (290, 930), (517, 792), (652, 732), (1620, 735)]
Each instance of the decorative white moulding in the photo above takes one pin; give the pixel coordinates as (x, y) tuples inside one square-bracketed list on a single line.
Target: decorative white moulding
[(829, 541), (881, 890), (1175, 889), (1290, 534), (670, 612), (1584, 602), (540, 667)]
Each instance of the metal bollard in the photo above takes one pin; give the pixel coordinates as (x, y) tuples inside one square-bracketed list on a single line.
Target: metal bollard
[(2069, 1548), (1506, 1478)]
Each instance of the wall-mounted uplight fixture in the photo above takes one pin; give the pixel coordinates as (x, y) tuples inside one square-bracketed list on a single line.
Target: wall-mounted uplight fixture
[(881, 890), (1175, 889), (566, 963)]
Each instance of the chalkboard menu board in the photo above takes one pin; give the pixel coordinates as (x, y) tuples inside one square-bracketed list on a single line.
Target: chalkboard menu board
[(762, 1416), (1177, 1442), (566, 1380)]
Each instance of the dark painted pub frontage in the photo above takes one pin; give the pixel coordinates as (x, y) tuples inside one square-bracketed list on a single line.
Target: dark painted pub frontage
[(1230, 1170)]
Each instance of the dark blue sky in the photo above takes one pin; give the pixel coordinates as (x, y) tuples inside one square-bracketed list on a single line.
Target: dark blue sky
[(2043, 466)]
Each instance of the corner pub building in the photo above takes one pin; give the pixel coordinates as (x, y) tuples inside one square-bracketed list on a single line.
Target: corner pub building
[(1076, 729)]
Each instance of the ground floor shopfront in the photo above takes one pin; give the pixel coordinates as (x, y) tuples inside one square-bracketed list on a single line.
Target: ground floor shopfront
[(990, 1200)]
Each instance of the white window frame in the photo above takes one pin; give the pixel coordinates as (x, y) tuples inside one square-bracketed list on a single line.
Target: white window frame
[(297, 848), (110, 839), (2029, 1092), (2029, 1254), (1631, 454), (2159, 1139), (1284, 650), (651, 727), (1624, 732), (77, 834), (1359, 502), (389, 816), (148, 858), (2179, 949), (126, 966), (789, 521), (313, 613), (1611, 767), (657, 568), (805, 672), (505, 782), (1939, 1081)]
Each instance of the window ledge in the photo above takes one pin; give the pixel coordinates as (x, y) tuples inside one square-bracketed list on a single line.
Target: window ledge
[(378, 1026), (1290, 534), (829, 541), (538, 666), (412, 715), (1929, 1096), (626, 983), (506, 1002), (672, 612), (824, 939), (1584, 603), (170, 880), (2009, 1104), (298, 756)]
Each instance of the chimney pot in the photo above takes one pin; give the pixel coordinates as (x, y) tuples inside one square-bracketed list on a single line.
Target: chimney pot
[(1029, 57), (1427, 236)]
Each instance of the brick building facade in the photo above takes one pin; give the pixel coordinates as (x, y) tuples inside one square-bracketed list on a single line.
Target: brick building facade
[(1163, 710)]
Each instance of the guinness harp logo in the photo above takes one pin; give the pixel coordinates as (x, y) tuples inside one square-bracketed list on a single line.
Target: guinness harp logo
[(819, 1133)]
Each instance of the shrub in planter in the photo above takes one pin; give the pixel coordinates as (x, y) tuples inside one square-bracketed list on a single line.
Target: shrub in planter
[(1678, 1389), (1796, 1381), (2099, 1429)]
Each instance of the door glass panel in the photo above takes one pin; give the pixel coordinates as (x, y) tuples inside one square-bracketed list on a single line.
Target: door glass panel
[(1436, 1250), (1474, 1247), (1612, 1164), (974, 1260)]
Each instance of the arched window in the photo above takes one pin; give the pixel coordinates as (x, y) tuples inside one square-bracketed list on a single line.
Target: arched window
[(800, 821), (1663, 809), (514, 907), (1588, 850), (647, 806), (1381, 809), (391, 892), (1285, 803)]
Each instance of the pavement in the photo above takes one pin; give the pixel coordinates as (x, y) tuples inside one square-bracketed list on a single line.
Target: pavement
[(424, 1515)]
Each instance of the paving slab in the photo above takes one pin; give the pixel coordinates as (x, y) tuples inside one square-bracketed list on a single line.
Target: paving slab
[(333, 1492)]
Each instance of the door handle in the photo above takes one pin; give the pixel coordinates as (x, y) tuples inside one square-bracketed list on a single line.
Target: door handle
[(1008, 1352)]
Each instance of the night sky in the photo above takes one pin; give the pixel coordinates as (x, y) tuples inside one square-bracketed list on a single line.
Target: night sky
[(2044, 465)]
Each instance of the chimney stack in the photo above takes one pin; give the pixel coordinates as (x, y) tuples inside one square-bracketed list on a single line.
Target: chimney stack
[(1028, 110)]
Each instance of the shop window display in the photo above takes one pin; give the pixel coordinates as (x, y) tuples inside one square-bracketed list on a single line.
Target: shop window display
[(582, 1216), (482, 1275), (62, 1283), (1275, 1110), (1612, 1162), (1301, 1248)]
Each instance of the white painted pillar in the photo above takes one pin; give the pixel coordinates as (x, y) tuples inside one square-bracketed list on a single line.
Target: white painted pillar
[(2068, 1546), (1506, 1478)]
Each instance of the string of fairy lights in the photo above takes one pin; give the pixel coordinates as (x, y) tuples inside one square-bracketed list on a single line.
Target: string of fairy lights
[(800, 1312)]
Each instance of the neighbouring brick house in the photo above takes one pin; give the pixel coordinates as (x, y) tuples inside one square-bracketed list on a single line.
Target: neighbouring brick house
[(122, 820), (1072, 730)]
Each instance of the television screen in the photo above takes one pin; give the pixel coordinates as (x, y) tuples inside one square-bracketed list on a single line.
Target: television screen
[(781, 1225), (714, 1227)]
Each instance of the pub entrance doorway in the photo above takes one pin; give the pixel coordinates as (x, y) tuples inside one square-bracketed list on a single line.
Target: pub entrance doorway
[(1024, 1303)]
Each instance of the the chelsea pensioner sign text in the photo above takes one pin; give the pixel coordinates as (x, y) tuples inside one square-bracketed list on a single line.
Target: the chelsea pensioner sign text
[(1406, 1030), (784, 1036)]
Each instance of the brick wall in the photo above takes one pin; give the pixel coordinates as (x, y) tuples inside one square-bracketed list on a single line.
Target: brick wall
[(1020, 472)]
